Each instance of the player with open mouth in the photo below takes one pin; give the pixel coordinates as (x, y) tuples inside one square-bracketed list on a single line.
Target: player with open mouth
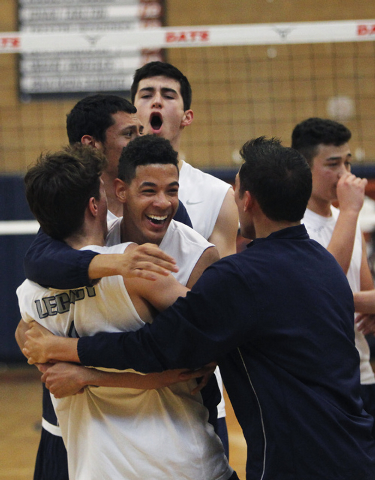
[(156, 121), (151, 201)]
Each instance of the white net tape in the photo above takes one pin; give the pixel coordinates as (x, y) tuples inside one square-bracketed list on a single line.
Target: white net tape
[(200, 36), (19, 227)]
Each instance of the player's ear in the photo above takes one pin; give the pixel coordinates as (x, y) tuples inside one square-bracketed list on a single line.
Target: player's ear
[(90, 140), (92, 206), (248, 201), (121, 189), (187, 119)]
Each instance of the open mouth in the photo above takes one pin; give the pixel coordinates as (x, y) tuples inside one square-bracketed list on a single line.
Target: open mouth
[(156, 121), (156, 219)]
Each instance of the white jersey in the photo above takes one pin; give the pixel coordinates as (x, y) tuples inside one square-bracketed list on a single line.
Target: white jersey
[(181, 242), (203, 195), (321, 229), (122, 433)]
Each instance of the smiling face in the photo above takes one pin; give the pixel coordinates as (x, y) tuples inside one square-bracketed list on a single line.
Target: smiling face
[(160, 108), (328, 166), (126, 127), (150, 202)]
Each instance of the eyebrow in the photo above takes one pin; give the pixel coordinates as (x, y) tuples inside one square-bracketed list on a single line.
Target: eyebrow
[(163, 90), (349, 155), (134, 126), (152, 184)]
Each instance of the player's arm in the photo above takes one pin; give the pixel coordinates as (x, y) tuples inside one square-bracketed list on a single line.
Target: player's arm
[(224, 233), (364, 301), (198, 322), (144, 261), (208, 257), (350, 195), (20, 334), (163, 292), (44, 347), (367, 282), (54, 263), (64, 379)]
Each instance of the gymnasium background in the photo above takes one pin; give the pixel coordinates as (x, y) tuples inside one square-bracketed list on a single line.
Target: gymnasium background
[(239, 92)]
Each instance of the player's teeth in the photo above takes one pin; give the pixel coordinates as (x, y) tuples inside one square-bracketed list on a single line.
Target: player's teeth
[(154, 217)]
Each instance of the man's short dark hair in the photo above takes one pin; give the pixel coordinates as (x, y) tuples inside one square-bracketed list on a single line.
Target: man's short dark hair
[(145, 150), (278, 177), (93, 116), (155, 69), (314, 131), (59, 186)]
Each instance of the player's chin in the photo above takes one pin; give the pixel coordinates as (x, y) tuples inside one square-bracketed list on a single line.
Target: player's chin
[(155, 237), (155, 233)]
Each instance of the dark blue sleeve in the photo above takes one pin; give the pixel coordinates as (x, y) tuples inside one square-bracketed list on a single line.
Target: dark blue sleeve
[(194, 331), (182, 215), (52, 263)]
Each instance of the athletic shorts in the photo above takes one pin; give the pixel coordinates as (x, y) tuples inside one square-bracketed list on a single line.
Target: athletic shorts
[(51, 460)]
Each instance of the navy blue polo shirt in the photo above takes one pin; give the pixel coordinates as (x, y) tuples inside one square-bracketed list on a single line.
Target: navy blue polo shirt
[(278, 317)]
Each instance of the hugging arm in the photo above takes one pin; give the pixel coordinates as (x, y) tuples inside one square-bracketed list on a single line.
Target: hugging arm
[(55, 264)]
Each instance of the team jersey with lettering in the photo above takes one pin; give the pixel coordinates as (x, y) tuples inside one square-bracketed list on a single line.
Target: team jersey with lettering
[(116, 433)]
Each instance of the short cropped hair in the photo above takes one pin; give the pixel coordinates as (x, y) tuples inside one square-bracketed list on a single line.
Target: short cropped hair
[(278, 177), (145, 150), (93, 116), (155, 69), (311, 133), (59, 186)]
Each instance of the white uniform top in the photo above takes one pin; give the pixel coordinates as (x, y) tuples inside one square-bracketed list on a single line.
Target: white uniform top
[(181, 242), (321, 229), (202, 195), (123, 433)]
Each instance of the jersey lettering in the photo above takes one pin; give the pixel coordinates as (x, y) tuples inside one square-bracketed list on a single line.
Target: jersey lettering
[(60, 303)]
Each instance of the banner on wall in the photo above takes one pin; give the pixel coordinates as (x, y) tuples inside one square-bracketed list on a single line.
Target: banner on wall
[(75, 71)]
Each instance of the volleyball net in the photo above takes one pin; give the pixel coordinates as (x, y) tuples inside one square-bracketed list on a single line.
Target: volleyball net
[(247, 80)]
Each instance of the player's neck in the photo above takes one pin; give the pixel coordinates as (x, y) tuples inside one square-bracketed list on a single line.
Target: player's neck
[(114, 206), (320, 207), (79, 241), (175, 142), (266, 227)]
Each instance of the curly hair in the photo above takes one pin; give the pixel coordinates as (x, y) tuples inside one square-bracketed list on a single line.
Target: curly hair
[(145, 150)]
